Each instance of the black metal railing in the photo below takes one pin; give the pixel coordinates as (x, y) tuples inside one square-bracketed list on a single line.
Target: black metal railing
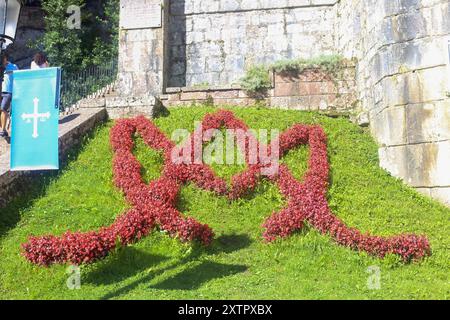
[(80, 85)]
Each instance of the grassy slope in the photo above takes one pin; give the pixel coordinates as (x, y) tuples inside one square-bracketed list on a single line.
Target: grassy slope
[(238, 264)]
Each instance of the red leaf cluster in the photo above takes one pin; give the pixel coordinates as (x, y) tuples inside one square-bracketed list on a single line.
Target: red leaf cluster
[(307, 202), (154, 204)]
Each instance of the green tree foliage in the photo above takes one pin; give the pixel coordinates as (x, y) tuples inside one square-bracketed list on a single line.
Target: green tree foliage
[(72, 48), (61, 44), (101, 37)]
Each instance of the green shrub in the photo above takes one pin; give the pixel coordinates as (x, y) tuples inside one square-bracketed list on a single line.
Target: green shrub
[(256, 79), (105, 32), (286, 65), (329, 63), (204, 84), (62, 45)]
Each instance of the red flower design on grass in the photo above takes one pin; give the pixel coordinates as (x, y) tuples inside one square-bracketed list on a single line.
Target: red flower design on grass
[(154, 204)]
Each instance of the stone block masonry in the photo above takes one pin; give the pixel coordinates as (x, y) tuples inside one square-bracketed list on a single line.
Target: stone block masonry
[(123, 106), (403, 83), (214, 41), (142, 65), (311, 89)]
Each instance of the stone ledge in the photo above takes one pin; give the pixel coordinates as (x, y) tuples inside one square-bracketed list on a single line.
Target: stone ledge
[(121, 107), (203, 88), (422, 165), (177, 9), (124, 102), (310, 89), (72, 129), (441, 194)]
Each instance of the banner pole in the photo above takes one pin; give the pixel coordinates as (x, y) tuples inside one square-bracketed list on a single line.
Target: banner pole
[(2, 66)]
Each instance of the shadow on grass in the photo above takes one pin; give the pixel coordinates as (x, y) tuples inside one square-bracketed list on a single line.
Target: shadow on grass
[(195, 277), (187, 280), (34, 185), (127, 263)]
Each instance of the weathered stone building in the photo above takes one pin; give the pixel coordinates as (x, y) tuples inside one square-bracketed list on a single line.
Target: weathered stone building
[(403, 77), (401, 48)]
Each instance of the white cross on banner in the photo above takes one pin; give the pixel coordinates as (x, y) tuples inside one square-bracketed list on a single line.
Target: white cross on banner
[(35, 117)]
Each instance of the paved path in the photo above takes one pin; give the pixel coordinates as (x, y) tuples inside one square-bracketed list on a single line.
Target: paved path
[(4, 146)]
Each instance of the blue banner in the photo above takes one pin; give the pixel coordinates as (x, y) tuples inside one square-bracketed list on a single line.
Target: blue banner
[(35, 117)]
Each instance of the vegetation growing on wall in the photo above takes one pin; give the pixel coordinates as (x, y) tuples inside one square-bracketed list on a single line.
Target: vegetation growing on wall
[(328, 63), (257, 77)]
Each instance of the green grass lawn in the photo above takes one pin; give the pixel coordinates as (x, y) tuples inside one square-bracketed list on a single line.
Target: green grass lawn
[(238, 264)]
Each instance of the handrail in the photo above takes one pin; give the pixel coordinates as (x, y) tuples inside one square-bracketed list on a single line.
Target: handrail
[(79, 85)]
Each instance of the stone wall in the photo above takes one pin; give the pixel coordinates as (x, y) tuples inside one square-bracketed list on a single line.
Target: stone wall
[(142, 58), (123, 107), (403, 82), (213, 41), (309, 90)]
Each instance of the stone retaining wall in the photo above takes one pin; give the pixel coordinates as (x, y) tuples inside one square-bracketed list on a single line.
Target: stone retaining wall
[(121, 107), (312, 89), (403, 69)]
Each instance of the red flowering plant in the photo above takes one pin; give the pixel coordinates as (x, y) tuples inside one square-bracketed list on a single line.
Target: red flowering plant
[(154, 204)]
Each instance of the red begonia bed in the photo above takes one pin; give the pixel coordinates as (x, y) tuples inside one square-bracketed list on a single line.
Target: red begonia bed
[(154, 204)]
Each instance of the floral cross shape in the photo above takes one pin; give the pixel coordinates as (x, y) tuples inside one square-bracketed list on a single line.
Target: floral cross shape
[(154, 204)]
